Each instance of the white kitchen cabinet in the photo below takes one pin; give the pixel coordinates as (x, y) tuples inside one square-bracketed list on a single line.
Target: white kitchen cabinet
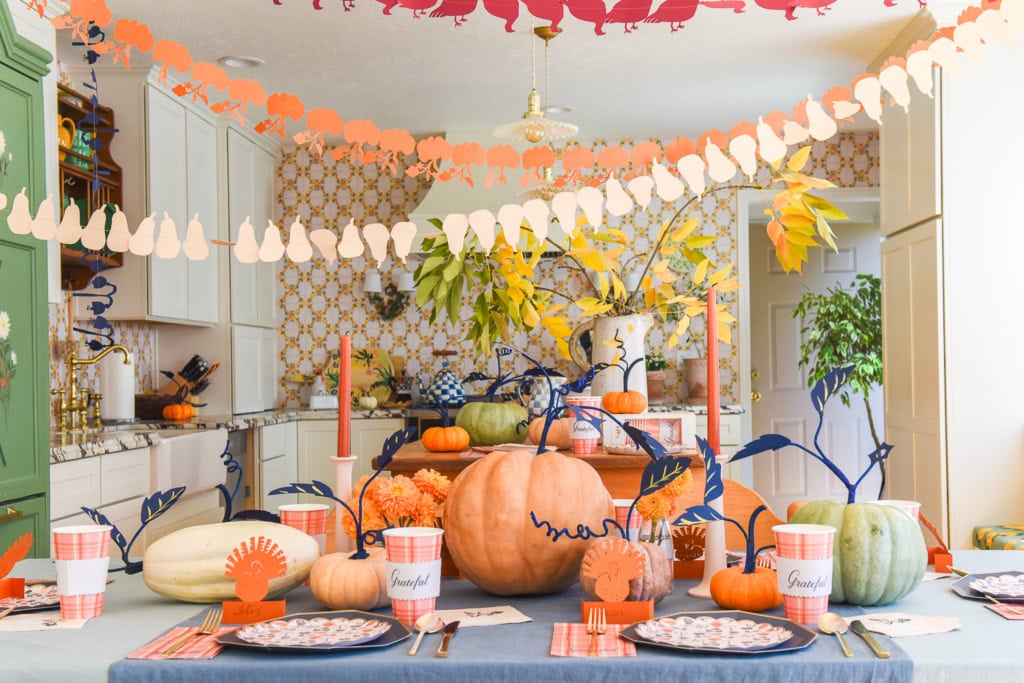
[(250, 196), (951, 340), (168, 151), (254, 368), (318, 441), (368, 436), (277, 455)]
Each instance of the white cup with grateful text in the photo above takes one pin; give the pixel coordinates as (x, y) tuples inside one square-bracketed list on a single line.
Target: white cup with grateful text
[(804, 566)]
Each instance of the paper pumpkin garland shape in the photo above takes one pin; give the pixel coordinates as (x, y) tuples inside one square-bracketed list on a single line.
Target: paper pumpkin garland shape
[(253, 564)]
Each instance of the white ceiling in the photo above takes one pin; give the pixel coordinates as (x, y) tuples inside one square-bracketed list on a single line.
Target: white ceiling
[(428, 76)]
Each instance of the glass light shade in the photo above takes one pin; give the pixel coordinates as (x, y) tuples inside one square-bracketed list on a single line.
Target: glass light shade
[(371, 283), (195, 246), (534, 126), (299, 249), (94, 236), (141, 243), (44, 226), (246, 248), (272, 248), (406, 282)]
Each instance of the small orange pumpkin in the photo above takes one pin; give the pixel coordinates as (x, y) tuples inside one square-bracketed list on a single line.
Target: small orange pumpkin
[(440, 439), (178, 411), (339, 581), (559, 434), (628, 402), (757, 591)]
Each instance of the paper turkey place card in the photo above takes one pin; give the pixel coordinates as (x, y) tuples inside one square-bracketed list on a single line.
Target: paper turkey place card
[(253, 564), (611, 569), (14, 588)]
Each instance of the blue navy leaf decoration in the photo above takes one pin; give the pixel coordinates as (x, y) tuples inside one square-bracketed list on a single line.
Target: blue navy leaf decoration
[(768, 442), (660, 473), (159, 503), (581, 383), (391, 446), (698, 514), (257, 516), (317, 488), (713, 487), (880, 454), (475, 376), (589, 415), (826, 387), (100, 519), (645, 441)]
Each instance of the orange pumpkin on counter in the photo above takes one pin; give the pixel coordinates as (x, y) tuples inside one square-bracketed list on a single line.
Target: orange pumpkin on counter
[(624, 402), (179, 411), (440, 439), (559, 434)]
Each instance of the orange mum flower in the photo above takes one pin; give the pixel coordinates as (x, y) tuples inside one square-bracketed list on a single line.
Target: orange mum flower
[(397, 497), (433, 483), (653, 507)]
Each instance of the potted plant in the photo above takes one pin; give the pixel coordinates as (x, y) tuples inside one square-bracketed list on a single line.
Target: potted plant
[(501, 283), (656, 367), (843, 328)]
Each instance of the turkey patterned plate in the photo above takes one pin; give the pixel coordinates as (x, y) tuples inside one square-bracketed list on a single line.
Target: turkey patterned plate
[(319, 632), (39, 596), (1000, 585), (727, 632), (966, 587)]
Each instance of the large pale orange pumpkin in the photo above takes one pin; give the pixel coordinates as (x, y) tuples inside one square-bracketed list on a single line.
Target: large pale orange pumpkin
[(489, 532), (559, 434), (340, 582), (654, 583)]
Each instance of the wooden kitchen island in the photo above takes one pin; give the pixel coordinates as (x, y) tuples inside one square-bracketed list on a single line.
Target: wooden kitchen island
[(621, 476)]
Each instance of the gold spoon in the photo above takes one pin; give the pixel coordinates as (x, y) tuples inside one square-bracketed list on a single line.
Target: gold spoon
[(428, 623), (832, 623)]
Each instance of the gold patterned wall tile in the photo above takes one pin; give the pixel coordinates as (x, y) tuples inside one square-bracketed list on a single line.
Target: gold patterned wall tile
[(320, 300)]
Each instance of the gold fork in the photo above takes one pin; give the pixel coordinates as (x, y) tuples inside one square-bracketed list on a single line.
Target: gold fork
[(1012, 608), (597, 622), (209, 626)]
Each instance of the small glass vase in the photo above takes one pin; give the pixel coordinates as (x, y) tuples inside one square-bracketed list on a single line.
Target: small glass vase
[(658, 532)]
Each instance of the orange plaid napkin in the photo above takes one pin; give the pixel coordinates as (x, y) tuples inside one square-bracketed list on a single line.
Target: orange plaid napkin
[(199, 647), (572, 640), (1013, 611)]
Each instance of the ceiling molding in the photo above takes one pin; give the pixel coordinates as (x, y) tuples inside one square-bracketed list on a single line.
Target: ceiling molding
[(921, 27)]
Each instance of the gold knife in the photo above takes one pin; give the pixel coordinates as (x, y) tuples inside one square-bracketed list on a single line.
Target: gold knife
[(861, 630), (449, 631)]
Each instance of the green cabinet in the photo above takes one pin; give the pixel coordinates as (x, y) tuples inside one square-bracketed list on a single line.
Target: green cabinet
[(24, 343)]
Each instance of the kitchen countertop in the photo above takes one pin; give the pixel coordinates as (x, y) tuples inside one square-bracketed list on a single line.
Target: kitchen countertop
[(130, 436)]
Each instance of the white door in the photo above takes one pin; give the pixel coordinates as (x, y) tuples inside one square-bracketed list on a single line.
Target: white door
[(784, 406)]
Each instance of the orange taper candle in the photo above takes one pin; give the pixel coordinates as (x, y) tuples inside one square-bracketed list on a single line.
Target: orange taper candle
[(714, 390), (345, 397)]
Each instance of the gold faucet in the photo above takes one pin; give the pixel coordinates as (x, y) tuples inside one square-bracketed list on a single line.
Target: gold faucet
[(77, 403)]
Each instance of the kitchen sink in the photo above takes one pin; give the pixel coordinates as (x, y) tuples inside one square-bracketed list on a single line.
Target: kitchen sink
[(187, 458)]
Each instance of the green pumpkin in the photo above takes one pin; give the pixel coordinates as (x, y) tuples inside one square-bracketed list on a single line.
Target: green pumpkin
[(879, 554), (490, 424)]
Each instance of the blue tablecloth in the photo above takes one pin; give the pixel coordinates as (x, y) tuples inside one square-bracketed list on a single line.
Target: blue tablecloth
[(988, 649)]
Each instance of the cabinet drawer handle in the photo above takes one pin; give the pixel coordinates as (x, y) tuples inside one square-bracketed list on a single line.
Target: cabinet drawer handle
[(10, 514)]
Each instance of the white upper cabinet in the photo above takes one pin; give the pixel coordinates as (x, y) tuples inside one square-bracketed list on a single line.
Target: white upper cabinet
[(250, 195), (168, 151)]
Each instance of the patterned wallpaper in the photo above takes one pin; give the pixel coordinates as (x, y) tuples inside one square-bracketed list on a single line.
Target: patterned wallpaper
[(318, 299), (138, 338)]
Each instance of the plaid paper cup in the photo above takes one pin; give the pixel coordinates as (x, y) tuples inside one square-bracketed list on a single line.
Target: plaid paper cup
[(584, 435), (622, 506), (413, 570), (911, 507), (309, 518), (81, 555), (804, 567)]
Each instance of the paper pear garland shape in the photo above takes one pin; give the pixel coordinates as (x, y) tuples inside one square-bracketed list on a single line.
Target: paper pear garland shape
[(868, 91), (692, 168), (141, 243), (511, 218), (19, 220), (376, 237), (668, 187), (272, 248), (590, 200), (246, 248), (350, 245), (641, 187), (564, 205), (822, 126), (483, 223), (195, 246), (3, 201), (94, 236), (743, 149), (167, 243), (894, 79), (720, 167), (326, 243), (117, 238), (618, 203), (402, 234), (44, 226), (536, 212), (770, 146), (299, 248), (455, 227)]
